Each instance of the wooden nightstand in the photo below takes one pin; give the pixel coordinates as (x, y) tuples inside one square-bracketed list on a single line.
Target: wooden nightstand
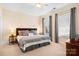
[(12, 39)]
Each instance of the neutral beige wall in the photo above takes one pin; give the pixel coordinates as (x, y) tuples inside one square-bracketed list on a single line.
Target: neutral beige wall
[(13, 20), (77, 19), (0, 23), (60, 11)]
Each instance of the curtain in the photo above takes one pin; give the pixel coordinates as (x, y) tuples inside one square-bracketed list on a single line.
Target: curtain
[(42, 25), (56, 28), (72, 24), (50, 27)]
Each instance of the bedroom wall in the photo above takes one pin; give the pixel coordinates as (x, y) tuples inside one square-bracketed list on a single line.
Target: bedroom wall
[(13, 20), (63, 10), (0, 24)]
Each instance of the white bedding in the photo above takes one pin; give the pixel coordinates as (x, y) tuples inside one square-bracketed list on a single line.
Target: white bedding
[(32, 37), (28, 37)]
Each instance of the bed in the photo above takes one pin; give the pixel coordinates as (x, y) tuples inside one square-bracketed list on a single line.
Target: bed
[(28, 39)]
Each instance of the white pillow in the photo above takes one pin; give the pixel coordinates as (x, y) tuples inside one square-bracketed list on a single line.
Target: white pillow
[(31, 34)]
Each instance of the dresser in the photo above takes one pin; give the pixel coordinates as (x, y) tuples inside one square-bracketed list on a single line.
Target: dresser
[(72, 49)]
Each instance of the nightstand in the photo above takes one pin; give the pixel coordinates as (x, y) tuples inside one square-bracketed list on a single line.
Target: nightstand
[(12, 39)]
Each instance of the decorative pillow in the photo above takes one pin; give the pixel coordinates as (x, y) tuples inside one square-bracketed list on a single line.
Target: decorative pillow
[(25, 33), (20, 33), (34, 32)]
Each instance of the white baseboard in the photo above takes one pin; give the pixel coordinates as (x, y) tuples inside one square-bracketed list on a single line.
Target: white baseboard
[(3, 42)]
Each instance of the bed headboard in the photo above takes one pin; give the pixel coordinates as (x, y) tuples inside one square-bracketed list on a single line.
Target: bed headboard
[(24, 29)]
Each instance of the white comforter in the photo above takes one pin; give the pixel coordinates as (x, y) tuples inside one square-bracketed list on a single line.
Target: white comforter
[(34, 37), (29, 37)]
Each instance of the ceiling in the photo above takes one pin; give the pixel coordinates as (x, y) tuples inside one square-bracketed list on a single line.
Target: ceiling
[(31, 9)]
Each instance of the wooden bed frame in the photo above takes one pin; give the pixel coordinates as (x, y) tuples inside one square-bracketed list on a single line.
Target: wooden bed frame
[(32, 46)]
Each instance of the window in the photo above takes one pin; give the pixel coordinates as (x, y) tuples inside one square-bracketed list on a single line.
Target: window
[(64, 25)]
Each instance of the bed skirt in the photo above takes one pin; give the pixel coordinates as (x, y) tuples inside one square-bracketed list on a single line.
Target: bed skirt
[(32, 47)]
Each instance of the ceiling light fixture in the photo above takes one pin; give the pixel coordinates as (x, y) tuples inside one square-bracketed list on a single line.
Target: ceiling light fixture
[(40, 5)]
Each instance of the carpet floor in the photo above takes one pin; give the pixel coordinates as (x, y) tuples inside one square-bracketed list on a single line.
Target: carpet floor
[(54, 49)]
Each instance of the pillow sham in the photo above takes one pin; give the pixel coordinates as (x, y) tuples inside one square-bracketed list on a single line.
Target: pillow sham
[(31, 34), (20, 33), (34, 32), (23, 33)]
